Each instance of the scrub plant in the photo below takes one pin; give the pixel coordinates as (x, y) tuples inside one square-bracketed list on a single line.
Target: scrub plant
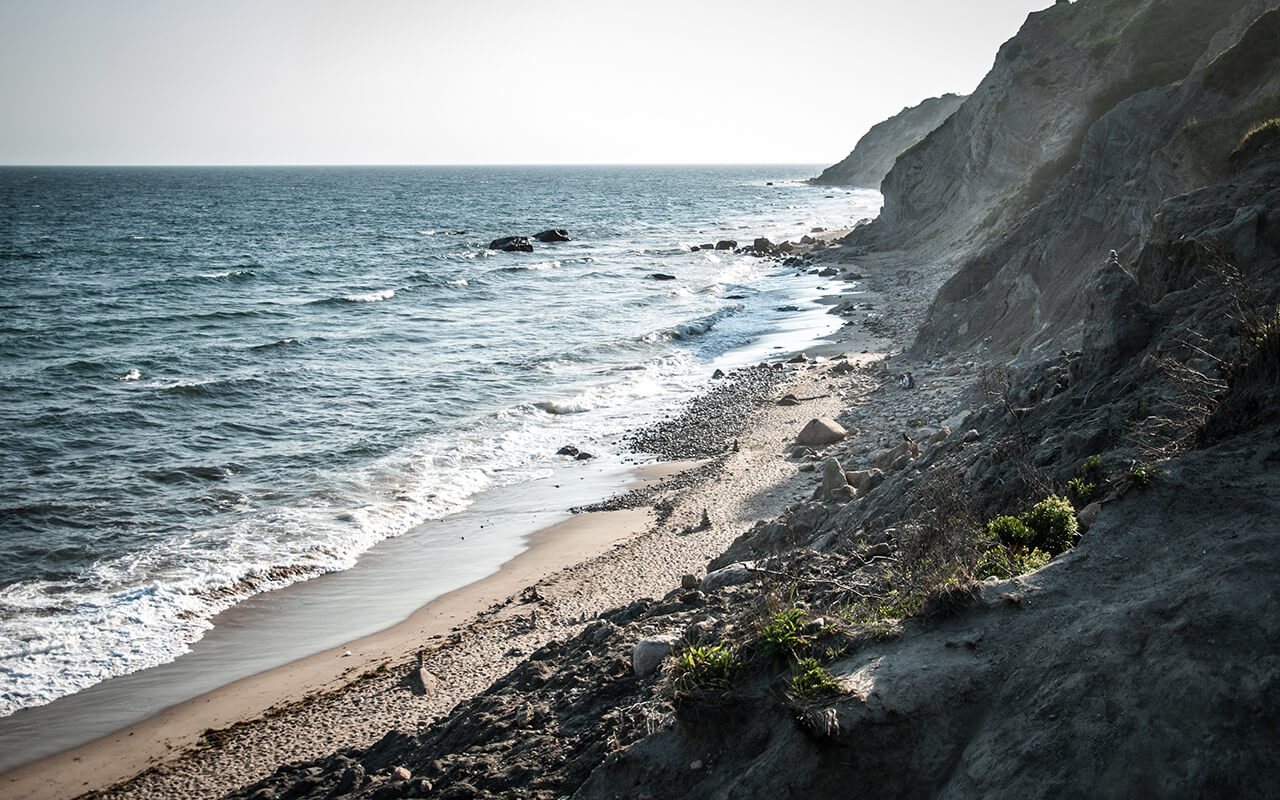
[(706, 668), (810, 680)]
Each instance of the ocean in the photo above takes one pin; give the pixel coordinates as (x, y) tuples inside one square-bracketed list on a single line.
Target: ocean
[(220, 381)]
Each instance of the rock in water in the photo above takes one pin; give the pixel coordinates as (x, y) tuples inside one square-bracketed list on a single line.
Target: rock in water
[(726, 244), (512, 244), (833, 478), (763, 245), (821, 432), (662, 276), (650, 652), (553, 235)]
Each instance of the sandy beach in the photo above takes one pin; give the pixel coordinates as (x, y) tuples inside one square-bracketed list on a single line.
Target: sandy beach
[(572, 572)]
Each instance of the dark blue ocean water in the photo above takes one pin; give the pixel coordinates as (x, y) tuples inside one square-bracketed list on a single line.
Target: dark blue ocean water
[(214, 382)]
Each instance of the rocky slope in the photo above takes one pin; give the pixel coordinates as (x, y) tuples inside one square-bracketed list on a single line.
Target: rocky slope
[(873, 156), (880, 637)]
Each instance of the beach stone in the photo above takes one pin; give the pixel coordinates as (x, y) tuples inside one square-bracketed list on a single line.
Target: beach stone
[(819, 432), (726, 244), (864, 480), (353, 777), (717, 375), (829, 272), (807, 239), (732, 575), (707, 246), (1088, 515), (689, 581), (429, 683), (650, 652), (567, 450), (843, 368), (788, 400), (582, 456), (798, 358), (512, 244), (401, 774), (763, 245), (553, 235), (800, 451), (833, 478)]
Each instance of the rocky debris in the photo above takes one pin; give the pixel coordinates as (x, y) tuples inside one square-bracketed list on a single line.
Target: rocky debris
[(821, 432), (650, 652), (512, 244), (763, 245), (553, 235), (709, 424)]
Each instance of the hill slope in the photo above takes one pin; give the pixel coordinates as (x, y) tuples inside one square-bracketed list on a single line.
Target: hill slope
[(873, 156)]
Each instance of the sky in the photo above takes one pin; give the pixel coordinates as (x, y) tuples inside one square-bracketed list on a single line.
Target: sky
[(179, 82)]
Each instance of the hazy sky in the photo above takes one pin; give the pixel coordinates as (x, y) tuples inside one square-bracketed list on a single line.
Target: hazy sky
[(476, 81)]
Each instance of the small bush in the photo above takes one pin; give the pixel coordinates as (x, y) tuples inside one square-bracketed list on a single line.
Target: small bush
[(781, 637), (1010, 531), (811, 680), (1091, 468), (1053, 520), (1080, 490), (1008, 562), (710, 668), (1141, 475)]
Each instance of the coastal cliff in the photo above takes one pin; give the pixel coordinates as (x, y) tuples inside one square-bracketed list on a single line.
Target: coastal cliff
[(1037, 554), (873, 156)]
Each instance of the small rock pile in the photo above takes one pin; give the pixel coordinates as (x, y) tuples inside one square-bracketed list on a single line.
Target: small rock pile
[(708, 423)]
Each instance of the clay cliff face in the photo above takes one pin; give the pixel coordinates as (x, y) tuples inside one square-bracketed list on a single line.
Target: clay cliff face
[(1094, 116), (876, 151), (1025, 127)]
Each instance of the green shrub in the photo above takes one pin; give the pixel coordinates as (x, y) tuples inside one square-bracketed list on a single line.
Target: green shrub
[(1080, 490), (811, 680), (781, 637), (1008, 562), (1141, 475), (708, 668), (1091, 468), (1009, 531), (1053, 520)]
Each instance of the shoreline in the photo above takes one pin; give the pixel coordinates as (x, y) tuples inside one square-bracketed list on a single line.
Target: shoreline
[(280, 692)]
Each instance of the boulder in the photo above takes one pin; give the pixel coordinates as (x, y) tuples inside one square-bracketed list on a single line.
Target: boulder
[(1117, 323), (567, 450), (828, 272), (807, 239), (726, 244), (864, 480), (763, 245), (833, 478), (821, 432), (732, 575), (553, 235), (650, 652), (512, 244), (707, 246), (662, 276), (1088, 515), (688, 581)]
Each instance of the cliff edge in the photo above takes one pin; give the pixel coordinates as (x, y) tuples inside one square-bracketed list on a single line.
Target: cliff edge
[(873, 156)]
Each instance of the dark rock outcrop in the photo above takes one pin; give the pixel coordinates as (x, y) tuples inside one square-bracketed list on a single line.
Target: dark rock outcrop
[(512, 244), (876, 151), (553, 235)]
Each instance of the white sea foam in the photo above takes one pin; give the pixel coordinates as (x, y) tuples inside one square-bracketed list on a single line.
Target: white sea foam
[(131, 375), (371, 297)]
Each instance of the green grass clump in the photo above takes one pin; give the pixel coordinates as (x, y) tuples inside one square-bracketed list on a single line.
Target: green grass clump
[(810, 680), (782, 638), (1008, 562), (1080, 490), (1140, 476), (707, 668)]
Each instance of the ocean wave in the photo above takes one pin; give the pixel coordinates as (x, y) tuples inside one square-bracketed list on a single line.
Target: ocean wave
[(576, 406), (370, 297), (692, 328), (131, 375), (231, 273), (287, 342)]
